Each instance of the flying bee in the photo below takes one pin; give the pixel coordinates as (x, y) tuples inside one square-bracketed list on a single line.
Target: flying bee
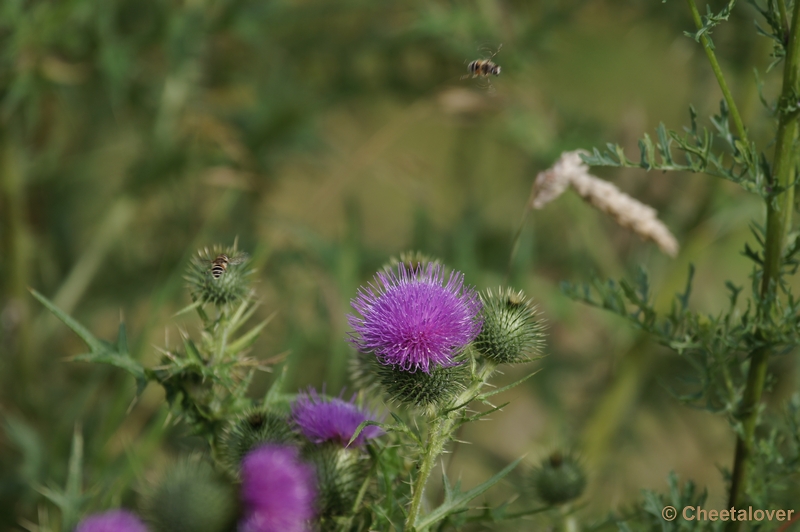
[(221, 262), (484, 67)]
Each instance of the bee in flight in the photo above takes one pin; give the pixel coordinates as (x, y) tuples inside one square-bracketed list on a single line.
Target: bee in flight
[(484, 67), (220, 264)]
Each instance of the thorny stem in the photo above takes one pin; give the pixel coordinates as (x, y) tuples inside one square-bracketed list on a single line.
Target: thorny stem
[(779, 220), (440, 432), (712, 58)]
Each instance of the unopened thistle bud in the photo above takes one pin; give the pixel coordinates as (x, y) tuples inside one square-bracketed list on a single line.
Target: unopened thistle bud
[(220, 276), (340, 473), (192, 497), (559, 479), (512, 329), (253, 429)]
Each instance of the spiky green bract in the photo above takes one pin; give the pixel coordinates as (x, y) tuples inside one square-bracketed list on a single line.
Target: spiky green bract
[(558, 479), (252, 429), (192, 497), (512, 329), (229, 287), (419, 389), (340, 473), (412, 260)]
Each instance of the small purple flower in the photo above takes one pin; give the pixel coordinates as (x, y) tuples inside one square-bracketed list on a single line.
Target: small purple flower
[(112, 521), (332, 420), (413, 320), (277, 491)]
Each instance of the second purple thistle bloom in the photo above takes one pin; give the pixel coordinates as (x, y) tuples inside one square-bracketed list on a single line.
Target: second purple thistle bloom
[(336, 420), (413, 319)]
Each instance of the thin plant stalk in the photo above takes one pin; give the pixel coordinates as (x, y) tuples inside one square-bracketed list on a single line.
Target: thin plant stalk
[(712, 58), (779, 220)]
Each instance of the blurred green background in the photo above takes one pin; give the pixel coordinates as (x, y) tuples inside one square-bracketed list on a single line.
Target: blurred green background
[(327, 137)]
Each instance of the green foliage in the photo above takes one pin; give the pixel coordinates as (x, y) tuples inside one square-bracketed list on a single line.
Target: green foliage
[(735, 162), (716, 346), (775, 478), (776, 31), (728, 351), (649, 516), (711, 20)]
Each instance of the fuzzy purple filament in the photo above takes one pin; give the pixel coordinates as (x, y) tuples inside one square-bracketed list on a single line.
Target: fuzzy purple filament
[(336, 420), (277, 491), (112, 521), (413, 320)]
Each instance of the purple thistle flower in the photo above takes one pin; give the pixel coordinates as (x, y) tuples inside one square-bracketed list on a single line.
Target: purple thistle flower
[(277, 492), (323, 420), (112, 521), (413, 320)]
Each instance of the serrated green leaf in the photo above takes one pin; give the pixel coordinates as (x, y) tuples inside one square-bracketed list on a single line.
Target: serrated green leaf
[(94, 344)]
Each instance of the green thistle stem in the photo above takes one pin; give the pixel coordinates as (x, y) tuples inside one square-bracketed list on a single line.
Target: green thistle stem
[(441, 430), (712, 58), (437, 437), (779, 220)]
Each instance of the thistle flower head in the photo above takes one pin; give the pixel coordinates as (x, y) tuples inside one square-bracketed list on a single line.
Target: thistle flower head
[(218, 276), (414, 319), (192, 497), (512, 329), (277, 491), (333, 420), (112, 521)]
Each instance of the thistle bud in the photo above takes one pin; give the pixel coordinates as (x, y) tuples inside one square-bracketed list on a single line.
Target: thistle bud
[(192, 497), (253, 429), (558, 479), (220, 276), (340, 473), (512, 329)]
